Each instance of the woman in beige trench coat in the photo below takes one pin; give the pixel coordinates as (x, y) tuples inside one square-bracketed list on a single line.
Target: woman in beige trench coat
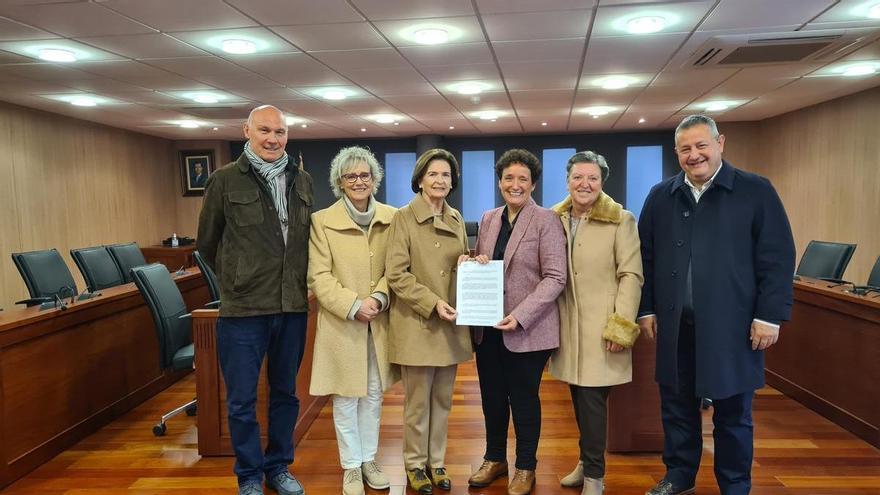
[(597, 309), (347, 275), (427, 237)]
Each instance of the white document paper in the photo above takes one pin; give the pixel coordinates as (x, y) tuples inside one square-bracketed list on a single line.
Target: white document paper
[(480, 293)]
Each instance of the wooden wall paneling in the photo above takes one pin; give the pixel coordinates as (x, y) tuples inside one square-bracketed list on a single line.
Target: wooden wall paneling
[(76, 184), (825, 163)]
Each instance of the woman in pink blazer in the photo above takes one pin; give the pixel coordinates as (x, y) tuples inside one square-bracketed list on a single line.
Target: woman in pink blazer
[(511, 355)]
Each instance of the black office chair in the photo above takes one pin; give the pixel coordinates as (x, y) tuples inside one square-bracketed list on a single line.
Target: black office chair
[(210, 279), (127, 256), (825, 260), (874, 277), (173, 327), (472, 228), (97, 267), (46, 276)]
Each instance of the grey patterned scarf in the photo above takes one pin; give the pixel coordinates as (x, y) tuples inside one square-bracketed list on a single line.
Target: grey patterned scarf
[(271, 171)]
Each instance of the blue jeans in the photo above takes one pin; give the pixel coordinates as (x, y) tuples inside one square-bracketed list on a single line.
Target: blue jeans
[(241, 345)]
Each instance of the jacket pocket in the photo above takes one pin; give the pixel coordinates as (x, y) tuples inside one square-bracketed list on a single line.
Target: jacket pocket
[(245, 207), (304, 210)]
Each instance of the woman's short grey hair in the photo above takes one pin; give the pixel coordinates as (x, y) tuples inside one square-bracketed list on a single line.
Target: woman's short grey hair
[(588, 157), (347, 159), (695, 120)]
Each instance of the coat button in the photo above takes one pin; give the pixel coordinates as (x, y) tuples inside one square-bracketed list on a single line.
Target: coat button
[(371, 254), (671, 307), (436, 244), (686, 213), (372, 284), (674, 273), (679, 243), (442, 273)]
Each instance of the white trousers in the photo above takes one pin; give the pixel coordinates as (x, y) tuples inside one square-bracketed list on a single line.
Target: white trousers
[(357, 418)]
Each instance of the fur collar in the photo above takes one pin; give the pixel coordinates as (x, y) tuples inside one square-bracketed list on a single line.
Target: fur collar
[(604, 210)]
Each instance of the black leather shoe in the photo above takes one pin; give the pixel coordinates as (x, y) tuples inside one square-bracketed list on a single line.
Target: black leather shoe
[(440, 478), (665, 487)]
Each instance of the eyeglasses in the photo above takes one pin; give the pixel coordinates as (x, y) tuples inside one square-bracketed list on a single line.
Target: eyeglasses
[(365, 177)]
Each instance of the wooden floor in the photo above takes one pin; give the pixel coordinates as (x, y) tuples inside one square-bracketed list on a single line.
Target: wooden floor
[(796, 452)]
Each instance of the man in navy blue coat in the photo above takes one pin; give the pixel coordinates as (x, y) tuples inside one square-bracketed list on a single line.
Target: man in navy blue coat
[(718, 259)]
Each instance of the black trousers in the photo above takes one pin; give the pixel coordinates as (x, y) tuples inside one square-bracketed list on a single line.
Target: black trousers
[(682, 427), (591, 413), (509, 384)]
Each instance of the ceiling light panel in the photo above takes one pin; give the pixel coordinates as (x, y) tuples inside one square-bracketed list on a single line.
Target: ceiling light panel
[(459, 29), (236, 43), (71, 50), (678, 17)]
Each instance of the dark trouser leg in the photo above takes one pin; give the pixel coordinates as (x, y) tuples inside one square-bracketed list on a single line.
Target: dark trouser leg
[(680, 411), (733, 443), (287, 343), (493, 392), (523, 374), (241, 345), (591, 413)]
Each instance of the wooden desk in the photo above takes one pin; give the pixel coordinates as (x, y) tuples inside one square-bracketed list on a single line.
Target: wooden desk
[(634, 423), (828, 356), (171, 257), (211, 392), (65, 374)]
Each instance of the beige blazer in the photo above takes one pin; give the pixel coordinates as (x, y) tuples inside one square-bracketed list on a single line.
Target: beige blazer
[(420, 268), (601, 296), (348, 264)]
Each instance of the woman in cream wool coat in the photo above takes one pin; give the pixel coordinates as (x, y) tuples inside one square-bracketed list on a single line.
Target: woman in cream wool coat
[(347, 275), (598, 308)]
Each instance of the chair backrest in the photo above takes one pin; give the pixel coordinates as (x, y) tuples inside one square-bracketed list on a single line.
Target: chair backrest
[(471, 228), (166, 306), (874, 277), (45, 274), (127, 256), (97, 267), (208, 274), (825, 259)]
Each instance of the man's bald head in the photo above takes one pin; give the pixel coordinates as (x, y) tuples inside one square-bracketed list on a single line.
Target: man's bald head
[(267, 132)]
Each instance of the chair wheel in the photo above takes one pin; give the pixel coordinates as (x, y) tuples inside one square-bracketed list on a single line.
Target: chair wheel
[(192, 410), (159, 430)]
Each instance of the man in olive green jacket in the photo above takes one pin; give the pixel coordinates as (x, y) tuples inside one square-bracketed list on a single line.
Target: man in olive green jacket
[(254, 233)]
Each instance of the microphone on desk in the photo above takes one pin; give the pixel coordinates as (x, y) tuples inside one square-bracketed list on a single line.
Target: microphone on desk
[(59, 303), (181, 271)]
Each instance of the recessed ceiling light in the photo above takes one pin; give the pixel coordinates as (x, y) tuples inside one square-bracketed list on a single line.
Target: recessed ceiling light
[(717, 106), (238, 46), (431, 36), (56, 55), (204, 98), (544, 124), (641, 120), (384, 118), (333, 94), (856, 70), (303, 125), (397, 123), (292, 120), (487, 115), (83, 101), (874, 12), (363, 130), (189, 124), (646, 24), (215, 129), (451, 127), (597, 112), (469, 87), (614, 82)]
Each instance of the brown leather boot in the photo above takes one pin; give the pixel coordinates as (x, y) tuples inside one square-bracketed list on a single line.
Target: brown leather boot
[(521, 483), (489, 471)]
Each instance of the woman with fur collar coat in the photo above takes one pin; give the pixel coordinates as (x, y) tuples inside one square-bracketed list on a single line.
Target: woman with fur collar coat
[(598, 308)]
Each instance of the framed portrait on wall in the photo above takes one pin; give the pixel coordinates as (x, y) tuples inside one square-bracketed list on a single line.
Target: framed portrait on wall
[(195, 167)]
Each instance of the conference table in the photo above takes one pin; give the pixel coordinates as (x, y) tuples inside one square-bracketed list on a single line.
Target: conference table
[(828, 355), (66, 373)]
